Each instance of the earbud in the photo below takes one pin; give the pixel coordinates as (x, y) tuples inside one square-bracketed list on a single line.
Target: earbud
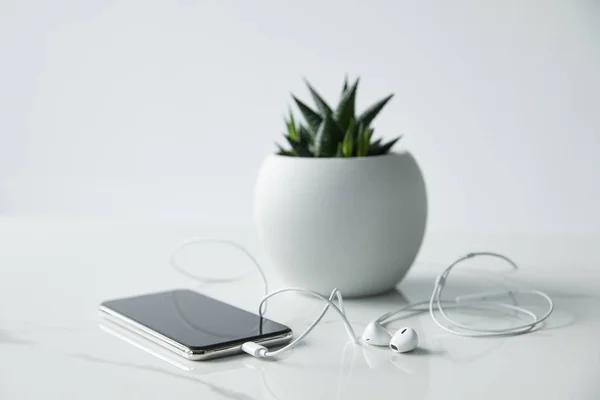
[(376, 335), (405, 339)]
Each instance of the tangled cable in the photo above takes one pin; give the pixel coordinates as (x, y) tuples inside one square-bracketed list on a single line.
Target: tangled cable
[(335, 301)]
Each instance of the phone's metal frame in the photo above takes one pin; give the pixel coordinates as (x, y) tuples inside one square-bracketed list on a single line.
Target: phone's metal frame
[(180, 349)]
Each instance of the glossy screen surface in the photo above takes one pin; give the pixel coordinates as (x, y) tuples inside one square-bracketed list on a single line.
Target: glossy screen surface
[(195, 321)]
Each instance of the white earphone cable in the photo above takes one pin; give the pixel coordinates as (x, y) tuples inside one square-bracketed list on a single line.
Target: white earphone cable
[(477, 301), (483, 332), (335, 294), (201, 240), (339, 308)]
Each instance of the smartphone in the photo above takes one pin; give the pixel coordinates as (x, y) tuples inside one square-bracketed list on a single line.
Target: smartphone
[(192, 325)]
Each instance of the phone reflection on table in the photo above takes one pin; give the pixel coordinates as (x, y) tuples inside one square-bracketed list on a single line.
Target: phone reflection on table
[(345, 371), (352, 368), (198, 367)]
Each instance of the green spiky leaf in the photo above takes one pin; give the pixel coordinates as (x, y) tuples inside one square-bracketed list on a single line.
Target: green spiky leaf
[(360, 140), (348, 144), (375, 145), (358, 128), (339, 152), (364, 136), (298, 148), (306, 137), (328, 137), (282, 152), (313, 119), (291, 127), (345, 87), (351, 126), (370, 113), (322, 105), (387, 146), (345, 109)]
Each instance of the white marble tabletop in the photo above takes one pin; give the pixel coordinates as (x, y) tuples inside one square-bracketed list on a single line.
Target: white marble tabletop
[(54, 273)]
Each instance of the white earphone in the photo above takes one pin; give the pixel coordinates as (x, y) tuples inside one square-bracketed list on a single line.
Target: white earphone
[(404, 339)]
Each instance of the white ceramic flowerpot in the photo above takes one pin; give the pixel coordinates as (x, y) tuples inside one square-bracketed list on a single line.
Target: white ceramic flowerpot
[(352, 223)]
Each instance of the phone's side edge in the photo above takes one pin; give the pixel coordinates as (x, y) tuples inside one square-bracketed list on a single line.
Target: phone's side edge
[(147, 333), (178, 348)]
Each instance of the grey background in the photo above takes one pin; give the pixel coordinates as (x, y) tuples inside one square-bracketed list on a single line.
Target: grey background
[(148, 109)]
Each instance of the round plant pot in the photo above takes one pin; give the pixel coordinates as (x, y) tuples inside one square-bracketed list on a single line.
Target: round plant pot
[(355, 224)]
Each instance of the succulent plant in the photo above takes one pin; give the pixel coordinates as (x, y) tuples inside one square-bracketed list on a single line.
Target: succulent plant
[(335, 132)]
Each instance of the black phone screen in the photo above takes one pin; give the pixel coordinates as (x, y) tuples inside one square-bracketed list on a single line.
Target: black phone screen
[(198, 322)]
